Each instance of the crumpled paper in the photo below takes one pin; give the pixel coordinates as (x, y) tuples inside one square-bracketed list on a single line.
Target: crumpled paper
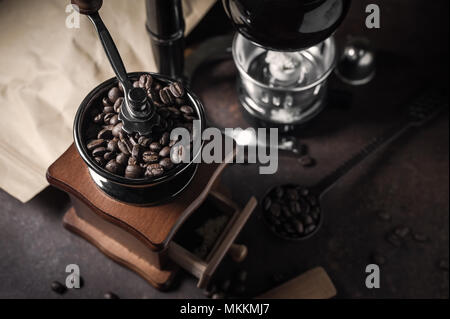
[(46, 69)]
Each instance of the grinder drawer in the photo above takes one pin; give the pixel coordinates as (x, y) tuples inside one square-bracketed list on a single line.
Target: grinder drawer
[(207, 236)]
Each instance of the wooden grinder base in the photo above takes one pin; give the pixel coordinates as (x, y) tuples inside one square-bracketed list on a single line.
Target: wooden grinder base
[(148, 229)]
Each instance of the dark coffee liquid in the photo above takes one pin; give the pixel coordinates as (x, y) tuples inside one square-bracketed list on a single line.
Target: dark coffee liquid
[(286, 25)]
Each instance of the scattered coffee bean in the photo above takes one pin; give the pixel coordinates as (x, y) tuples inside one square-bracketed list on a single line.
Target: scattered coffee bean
[(123, 147), (99, 151), (110, 295), (402, 231), (150, 157), (420, 238), (99, 160), (99, 118), (165, 139), (108, 109), (109, 156), (307, 161), (114, 119), (385, 216), (58, 287), (443, 264), (394, 240), (105, 133), (136, 150), (106, 102)]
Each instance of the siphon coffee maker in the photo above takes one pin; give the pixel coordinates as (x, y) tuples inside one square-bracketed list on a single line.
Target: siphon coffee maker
[(284, 51)]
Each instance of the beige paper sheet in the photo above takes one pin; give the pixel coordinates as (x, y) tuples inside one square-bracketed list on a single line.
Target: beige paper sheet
[(46, 69)]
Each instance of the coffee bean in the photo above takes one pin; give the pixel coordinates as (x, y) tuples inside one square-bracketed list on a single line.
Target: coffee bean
[(267, 203), (218, 295), (108, 109), (133, 171), (117, 129), (155, 147), (109, 156), (108, 117), (166, 163), (95, 143), (114, 94), (58, 287), (298, 226), (112, 146), (150, 157), (310, 229), (275, 210), (114, 119), (443, 265), (286, 212), (123, 147), (128, 144), (385, 216), (118, 104), (186, 109), (113, 166), (106, 102), (165, 139), (180, 101), (132, 161), (105, 133), (304, 192), (99, 118), (122, 159), (165, 151), (163, 112), (154, 170), (402, 231), (174, 112), (279, 192), (308, 220), (166, 96), (144, 141), (420, 238), (145, 81), (110, 295), (136, 150), (295, 207), (292, 194), (100, 161), (306, 161), (394, 240), (136, 84), (176, 89), (188, 118), (99, 151)]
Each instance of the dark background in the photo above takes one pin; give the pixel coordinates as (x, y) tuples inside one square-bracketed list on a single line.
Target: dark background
[(408, 180)]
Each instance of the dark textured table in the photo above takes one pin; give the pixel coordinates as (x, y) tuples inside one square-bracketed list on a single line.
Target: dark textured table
[(408, 180)]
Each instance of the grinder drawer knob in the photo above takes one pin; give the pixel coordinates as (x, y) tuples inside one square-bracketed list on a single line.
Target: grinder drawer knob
[(238, 252)]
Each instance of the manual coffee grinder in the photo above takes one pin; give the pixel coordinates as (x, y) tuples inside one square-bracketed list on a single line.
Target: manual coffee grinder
[(284, 51), (152, 224)]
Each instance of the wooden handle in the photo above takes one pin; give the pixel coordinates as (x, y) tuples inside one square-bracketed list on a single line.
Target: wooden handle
[(238, 252), (88, 6)]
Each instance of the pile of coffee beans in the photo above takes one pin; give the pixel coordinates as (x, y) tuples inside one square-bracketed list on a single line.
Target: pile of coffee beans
[(292, 212), (228, 288), (132, 155)]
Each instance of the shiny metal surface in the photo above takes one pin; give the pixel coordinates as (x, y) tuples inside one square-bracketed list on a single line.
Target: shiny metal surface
[(357, 63)]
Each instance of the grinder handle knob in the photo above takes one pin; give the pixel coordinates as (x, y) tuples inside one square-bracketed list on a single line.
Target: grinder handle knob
[(88, 6), (238, 252)]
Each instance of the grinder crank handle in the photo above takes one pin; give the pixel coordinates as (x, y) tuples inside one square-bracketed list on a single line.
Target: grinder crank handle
[(90, 8)]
